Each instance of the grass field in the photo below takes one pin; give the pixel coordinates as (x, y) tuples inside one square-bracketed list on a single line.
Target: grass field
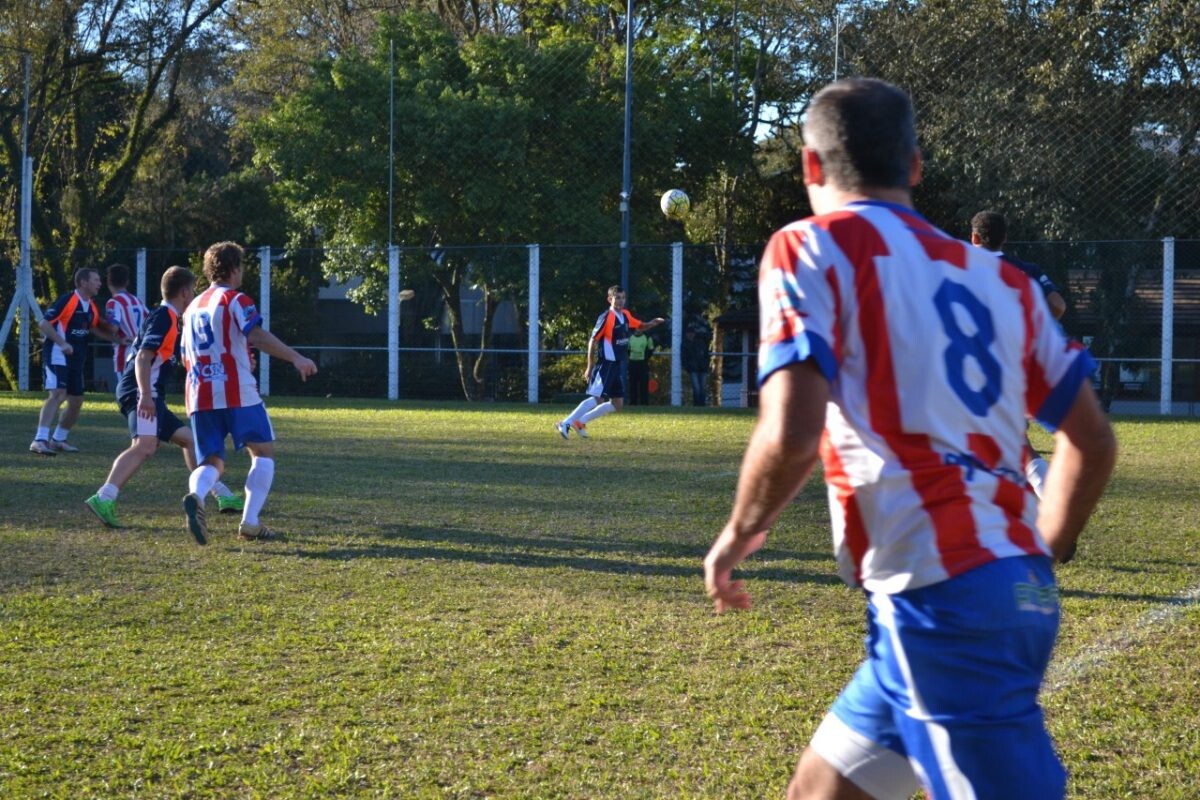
[(468, 606)]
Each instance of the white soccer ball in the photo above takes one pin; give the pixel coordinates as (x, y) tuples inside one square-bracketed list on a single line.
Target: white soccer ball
[(675, 203)]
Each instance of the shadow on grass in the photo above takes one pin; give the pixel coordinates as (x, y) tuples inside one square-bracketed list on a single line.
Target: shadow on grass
[(645, 558)]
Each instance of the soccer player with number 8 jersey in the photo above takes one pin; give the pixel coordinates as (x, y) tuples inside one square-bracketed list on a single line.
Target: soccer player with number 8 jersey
[(221, 392), (908, 362)]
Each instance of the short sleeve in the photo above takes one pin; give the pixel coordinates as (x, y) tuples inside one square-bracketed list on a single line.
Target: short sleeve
[(798, 305), (112, 313), (157, 328), (245, 313), (1056, 369), (56, 308)]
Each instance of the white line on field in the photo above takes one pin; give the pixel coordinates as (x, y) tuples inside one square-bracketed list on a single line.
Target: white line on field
[(1063, 673)]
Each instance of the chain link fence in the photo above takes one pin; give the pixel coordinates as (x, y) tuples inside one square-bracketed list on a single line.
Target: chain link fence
[(1115, 292)]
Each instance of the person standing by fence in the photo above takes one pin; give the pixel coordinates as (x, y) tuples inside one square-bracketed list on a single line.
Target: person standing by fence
[(694, 357), (641, 347), (125, 313)]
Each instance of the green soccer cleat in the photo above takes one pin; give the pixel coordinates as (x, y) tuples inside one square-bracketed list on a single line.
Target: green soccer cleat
[(232, 504), (106, 510)]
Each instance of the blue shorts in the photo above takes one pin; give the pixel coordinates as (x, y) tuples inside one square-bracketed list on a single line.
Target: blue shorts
[(950, 683), (606, 380), (64, 376), (243, 424), (163, 425)]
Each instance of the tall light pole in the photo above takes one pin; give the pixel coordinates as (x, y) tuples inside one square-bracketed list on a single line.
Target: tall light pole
[(626, 189)]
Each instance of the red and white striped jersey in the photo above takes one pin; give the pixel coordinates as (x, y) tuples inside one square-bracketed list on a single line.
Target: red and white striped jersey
[(936, 353), (125, 313), (216, 355)]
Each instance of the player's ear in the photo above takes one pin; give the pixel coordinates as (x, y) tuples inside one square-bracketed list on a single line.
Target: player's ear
[(916, 168), (810, 164)]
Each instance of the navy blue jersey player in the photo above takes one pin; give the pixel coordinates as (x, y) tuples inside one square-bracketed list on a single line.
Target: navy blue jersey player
[(608, 349), (141, 396)]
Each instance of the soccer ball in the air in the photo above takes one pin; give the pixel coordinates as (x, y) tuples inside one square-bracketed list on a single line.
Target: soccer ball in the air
[(675, 203)]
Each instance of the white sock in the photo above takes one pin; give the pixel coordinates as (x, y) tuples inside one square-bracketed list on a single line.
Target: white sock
[(221, 490), (201, 481), (1035, 473), (587, 405), (108, 492), (60, 435), (258, 486), (43, 433), (599, 411)]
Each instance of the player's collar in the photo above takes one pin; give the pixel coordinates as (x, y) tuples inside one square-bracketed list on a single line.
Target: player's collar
[(897, 207)]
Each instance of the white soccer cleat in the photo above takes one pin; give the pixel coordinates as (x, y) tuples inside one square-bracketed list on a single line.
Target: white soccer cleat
[(564, 430), (581, 429), (41, 447), (63, 446)]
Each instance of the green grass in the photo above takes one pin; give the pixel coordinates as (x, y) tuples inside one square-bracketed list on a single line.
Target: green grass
[(468, 606)]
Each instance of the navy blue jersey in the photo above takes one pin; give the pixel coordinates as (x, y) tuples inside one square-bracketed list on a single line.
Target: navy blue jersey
[(1033, 271), (159, 335), (612, 331), (74, 319)]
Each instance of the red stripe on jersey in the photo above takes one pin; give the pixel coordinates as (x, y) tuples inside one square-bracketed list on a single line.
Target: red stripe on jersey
[(233, 395), (984, 448), (1011, 499), (855, 534), (835, 289), (783, 252), (938, 246), (1037, 387), (940, 486)]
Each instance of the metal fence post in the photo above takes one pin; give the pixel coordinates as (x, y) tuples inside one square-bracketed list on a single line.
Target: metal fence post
[(141, 275), (1168, 324), (676, 323), (393, 322), (535, 323), (264, 308)]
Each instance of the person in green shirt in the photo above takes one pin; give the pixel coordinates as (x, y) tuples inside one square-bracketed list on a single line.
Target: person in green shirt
[(641, 347)]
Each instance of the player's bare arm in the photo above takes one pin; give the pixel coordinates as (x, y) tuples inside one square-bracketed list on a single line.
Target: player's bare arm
[(270, 344), (591, 354), (652, 324), (1085, 450), (779, 459), (50, 332), (141, 371)]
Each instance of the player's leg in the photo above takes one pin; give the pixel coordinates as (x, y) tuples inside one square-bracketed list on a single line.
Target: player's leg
[(856, 751), (252, 429), (962, 662), (612, 388), (144, 437), (1035, 469), (70, 415), (56, 393), (209, 429), (595, 389), (228, 501)]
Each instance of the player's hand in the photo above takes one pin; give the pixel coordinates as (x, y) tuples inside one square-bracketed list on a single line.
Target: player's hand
[(726, 553), (67, 349), (587, 374), (145, 407), (305, 367)]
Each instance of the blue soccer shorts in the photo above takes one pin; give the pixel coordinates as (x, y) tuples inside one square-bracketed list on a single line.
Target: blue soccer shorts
[(606, 380), (163, 426), (64, 376), (209, 428), (949, 690)]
